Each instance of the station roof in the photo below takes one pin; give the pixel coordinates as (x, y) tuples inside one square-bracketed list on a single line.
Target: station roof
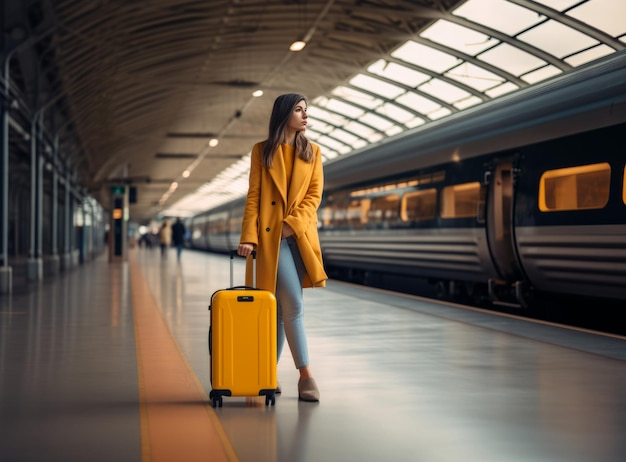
[(170, 95)]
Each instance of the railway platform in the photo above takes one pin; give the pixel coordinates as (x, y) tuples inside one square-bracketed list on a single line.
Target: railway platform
[(110, 362)]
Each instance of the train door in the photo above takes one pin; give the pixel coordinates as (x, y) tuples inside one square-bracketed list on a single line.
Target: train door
[(499, 220)]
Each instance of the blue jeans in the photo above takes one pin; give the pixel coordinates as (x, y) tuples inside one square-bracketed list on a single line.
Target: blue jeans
[(290, 307)]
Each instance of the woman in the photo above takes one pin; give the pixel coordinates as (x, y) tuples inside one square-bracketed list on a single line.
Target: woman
[(280, 223)]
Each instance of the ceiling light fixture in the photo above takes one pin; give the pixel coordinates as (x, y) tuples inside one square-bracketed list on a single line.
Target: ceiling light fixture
[(298, 45), (257, 93), (214, 142)]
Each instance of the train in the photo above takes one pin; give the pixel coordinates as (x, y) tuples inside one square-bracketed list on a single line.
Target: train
[(521, 196)]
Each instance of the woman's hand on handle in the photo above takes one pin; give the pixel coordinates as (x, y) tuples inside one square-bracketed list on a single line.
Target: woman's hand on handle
[(245, 249)]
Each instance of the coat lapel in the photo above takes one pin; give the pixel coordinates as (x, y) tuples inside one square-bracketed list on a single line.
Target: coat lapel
[(299, 180), (277, 172)]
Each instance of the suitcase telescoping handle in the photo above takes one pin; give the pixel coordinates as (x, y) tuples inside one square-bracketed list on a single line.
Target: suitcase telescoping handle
[(233, 253)]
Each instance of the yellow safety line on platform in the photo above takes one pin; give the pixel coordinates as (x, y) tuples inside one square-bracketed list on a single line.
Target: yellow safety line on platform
[(177, 420)]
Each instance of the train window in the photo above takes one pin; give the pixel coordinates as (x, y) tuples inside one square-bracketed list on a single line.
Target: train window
[(419, 205), (383, 209), (217, 223), (325, 215), (357, 212), (460, 201), (338, 214), (575, 188), (234, 224)]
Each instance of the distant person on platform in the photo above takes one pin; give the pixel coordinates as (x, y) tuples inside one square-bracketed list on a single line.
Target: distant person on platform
[(165, 237), (178, 236)]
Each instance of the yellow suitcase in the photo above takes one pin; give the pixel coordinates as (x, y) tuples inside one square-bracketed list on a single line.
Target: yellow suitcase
[(242, 342)]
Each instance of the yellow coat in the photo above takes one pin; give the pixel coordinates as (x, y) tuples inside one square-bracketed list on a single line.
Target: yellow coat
[(269, 205)]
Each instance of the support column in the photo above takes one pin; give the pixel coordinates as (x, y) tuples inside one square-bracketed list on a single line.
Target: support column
[(54, 260), (66, 260), (118, 234), (6, 274), (35, 261)]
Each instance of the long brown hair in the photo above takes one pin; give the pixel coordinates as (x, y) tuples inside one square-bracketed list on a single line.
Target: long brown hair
[(281, 112)]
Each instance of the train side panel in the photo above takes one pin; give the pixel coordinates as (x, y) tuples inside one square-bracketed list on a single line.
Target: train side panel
[(198, 231), (446, 253), (427, 224), (584, 260), (571, 214)]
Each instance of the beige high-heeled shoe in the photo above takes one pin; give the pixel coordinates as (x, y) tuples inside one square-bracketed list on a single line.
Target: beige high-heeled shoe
[(307, 390)]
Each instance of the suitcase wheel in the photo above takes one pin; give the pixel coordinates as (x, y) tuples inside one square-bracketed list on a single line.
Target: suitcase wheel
[(215, 399)]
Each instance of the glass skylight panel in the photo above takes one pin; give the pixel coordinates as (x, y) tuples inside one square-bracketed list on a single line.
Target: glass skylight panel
[(589, 55), (222, 189), (500, 15), (318, 125), (376, 86), (398, 73), (357, 97), (557, 39), (345, 149), (558, 5), (393, 131), (344, 137), (511, 59), (458, 37), (396, 113), (322, 114), (359, 129), (312, 134), (415, 122), (474, 76), (444, 91), (541, 74), (322, 128), (319, 101), (607, 15), (439, 113), (331, 143), (360, 144), (418, 103), (375, 137), (503, 89), (344, 109), (426, 57), (329, 154), (468, 102), (376, 121)]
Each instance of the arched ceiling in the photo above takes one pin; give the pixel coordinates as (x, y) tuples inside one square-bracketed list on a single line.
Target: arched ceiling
[(146, 85)]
